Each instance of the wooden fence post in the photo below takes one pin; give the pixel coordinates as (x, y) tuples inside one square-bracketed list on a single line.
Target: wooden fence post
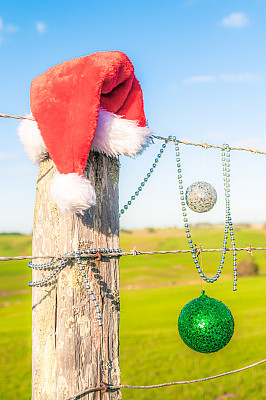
[(70, 351)]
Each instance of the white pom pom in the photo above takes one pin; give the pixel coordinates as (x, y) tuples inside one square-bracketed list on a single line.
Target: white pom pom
[(32, 141), (72, 193), (115, 135)]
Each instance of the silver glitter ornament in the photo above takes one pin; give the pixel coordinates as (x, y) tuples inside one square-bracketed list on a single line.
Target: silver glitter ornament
[(201, 197)]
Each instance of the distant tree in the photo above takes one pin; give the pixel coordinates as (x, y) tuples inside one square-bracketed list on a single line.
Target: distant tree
[(125, 231), (151, 230), (10, 233), (248, 267)]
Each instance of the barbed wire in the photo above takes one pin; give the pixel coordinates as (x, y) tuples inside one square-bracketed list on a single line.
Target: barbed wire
[(16, 117), (105, 387), (202, 144), (133, 253), (208, 145)]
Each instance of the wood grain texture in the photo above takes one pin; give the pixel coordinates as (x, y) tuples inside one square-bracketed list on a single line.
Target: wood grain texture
[(70, 351)]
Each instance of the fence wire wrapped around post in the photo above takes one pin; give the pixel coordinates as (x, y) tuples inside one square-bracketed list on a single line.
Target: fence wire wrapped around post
[(71, 345), (100, 388), (136, 252)]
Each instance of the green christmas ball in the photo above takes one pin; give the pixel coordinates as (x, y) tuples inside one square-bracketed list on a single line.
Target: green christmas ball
[(205, 324)]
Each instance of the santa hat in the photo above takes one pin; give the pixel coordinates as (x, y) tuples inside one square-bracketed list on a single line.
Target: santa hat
[(88, 103)]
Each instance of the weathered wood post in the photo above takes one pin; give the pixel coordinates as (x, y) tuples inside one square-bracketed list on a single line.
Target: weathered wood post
[(69, 350)]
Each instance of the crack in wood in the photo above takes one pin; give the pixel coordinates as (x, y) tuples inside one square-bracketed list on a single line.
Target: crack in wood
[(70, 350)]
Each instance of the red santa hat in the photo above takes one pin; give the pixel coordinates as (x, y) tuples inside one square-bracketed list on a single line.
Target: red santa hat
[(88, 103)]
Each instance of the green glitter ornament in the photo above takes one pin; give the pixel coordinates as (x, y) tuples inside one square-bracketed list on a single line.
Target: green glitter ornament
[(205, 324)]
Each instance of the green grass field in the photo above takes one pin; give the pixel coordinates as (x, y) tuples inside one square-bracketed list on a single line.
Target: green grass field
[(150, 349)]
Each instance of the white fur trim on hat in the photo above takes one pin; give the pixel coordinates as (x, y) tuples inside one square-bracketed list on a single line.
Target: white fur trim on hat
[(32, 140), (72, 193), (115, 135)]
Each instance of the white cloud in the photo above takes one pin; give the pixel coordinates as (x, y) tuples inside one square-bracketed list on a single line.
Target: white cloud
[(41, 27), (3, 156), (235, 20), (253, 142), (240, 77), (7, 156), (246, 77), (10, 28), (200, 79)]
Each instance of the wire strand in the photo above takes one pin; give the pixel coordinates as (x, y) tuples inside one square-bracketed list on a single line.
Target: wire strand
[(203, 163), (16, 117), (209, 145), (202, 144), (115, 387), (249, 249), (134, 253)]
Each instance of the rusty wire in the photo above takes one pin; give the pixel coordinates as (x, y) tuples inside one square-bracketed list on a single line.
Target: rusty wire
[(102, 387), (202, 144), (133, 253)]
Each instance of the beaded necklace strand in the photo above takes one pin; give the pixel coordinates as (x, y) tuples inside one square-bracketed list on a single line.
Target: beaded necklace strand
[(145, 180), (56, 265), (228, 219)]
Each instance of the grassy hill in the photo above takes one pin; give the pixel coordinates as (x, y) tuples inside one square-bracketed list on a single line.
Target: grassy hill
[(151, 350)]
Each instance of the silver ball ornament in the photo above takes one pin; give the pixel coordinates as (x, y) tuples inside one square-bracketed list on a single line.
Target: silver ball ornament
[(201, 197)]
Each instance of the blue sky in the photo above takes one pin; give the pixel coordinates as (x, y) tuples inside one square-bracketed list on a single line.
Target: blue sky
[(201, 64)]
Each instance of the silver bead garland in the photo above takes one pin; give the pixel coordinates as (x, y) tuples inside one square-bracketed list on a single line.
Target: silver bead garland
[(58, 264), (145, 180), (228, 227)]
